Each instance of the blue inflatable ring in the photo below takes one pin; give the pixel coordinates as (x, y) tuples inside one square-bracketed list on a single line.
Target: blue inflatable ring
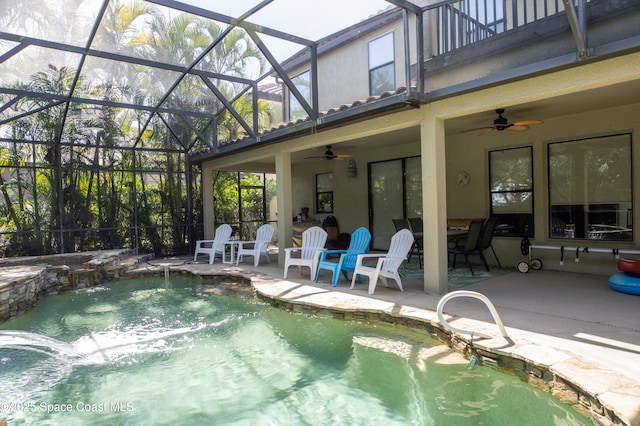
[(625, 283)]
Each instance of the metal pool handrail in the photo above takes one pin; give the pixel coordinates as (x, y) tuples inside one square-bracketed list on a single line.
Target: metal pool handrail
[(475, 295)]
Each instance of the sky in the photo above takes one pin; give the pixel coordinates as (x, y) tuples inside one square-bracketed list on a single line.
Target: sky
[(310, 19)]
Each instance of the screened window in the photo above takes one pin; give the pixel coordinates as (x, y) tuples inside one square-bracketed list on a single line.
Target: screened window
[(590, 193), (381, 65), (511, 190), (302, 82), (324, 193)]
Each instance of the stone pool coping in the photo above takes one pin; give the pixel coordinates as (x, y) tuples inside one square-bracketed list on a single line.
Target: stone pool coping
[(607, 397), (26, 280)]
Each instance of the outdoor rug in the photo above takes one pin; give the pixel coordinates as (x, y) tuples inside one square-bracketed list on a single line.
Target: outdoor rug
[(458, 277)]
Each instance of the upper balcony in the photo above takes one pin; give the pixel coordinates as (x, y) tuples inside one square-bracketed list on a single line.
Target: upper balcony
[(493, 42)]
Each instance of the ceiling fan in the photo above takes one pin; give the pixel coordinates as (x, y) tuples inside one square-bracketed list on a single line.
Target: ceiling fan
[(502, 123), (329, 155)]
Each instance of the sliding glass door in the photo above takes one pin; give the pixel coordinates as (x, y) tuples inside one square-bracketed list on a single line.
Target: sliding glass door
[(395, 191)]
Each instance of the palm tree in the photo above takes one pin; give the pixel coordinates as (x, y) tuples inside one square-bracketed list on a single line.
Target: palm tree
[(82, 178), (120, 26), (229, 129)]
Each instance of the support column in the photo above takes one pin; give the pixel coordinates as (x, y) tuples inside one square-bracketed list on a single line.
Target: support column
[(434, 202), (284, 192)]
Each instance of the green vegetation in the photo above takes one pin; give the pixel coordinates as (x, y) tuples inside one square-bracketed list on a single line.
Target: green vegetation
[(242, 200), (76, 176)]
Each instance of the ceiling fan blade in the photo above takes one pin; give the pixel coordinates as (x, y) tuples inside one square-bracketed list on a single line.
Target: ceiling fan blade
[(477, 128), (501, 123), (527, 122), (486, 130), (329, 155)]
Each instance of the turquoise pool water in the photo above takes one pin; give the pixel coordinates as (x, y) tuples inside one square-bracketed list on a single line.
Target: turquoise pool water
[(150, 351)]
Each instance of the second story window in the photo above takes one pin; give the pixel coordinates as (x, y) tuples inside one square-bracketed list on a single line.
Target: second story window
[(382, 76), (303, 84)]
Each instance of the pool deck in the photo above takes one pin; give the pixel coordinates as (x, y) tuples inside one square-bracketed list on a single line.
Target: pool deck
[(572, 323), (562, 327)]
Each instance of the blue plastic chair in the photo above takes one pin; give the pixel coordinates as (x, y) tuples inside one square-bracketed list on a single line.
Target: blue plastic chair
[(360, 240)]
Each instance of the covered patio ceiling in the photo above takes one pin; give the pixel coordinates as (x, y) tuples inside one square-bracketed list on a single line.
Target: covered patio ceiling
[(620, 94)]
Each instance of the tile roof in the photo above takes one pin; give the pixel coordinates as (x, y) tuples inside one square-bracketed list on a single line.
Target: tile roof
[(270, 92)]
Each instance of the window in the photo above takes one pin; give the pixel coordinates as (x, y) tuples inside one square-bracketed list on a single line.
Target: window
[(324, 193), (590, 189), (511, 188), (381, 65), (302, 82)]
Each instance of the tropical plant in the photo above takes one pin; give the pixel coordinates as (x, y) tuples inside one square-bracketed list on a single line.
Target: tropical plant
[(242, 199), (77, 177)]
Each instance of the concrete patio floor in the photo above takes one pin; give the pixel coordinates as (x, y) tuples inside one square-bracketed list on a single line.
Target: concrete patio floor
[(572, 323)]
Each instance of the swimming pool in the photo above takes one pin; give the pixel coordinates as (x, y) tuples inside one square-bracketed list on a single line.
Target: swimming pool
[(151, 351)]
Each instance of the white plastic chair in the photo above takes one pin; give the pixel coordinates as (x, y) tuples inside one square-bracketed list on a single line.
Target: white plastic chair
[(211, 247), (313, 241), (263, 238), (388, 264)]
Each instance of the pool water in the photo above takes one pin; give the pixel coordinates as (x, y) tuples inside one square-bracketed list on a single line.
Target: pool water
[(151, 351)]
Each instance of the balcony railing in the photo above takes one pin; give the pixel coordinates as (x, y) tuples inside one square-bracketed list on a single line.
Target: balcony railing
[(459, 23)]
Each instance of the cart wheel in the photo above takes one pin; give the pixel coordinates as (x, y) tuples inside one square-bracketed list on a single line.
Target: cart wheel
[(524, 246), (523, 267), (536, 264)]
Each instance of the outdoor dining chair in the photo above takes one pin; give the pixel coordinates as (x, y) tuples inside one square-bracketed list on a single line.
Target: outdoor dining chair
[(469, 244), (486, 239), (416, 224), (258, 247), (401, 224), (212, 247), (313, 241), (388, 263), (418, 244), (360, 240)]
